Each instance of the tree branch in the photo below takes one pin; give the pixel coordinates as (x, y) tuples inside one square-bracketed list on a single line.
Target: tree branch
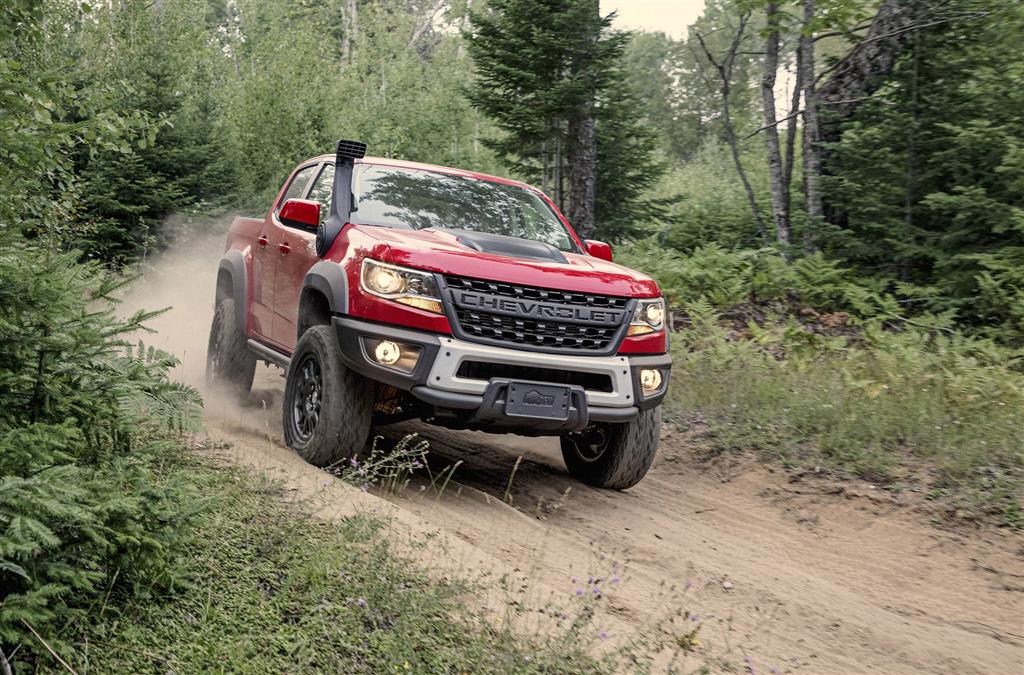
[(777, 122), (725, 77)]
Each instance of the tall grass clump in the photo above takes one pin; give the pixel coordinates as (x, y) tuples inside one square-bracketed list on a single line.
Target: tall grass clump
[(880, 404), (89, 430)]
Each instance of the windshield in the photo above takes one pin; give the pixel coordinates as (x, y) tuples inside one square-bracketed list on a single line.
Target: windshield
[(398, 197)]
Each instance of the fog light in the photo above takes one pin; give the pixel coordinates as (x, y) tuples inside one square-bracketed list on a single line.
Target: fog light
[(650, 380), (387, 352), (392, 355)]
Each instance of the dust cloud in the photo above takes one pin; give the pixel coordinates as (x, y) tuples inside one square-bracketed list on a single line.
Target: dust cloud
[(183, 281)]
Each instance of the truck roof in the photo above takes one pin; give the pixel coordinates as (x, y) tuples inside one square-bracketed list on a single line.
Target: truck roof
[(421, 166)]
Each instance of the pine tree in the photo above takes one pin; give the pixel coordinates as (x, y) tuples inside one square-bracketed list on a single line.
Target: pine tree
[(550, 75), (930, 171)]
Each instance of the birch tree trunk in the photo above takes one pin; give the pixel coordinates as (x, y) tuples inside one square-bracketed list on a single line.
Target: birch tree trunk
[(791, 130), (779, 188)]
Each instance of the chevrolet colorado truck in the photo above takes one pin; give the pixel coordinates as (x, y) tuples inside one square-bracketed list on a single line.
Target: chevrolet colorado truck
[(392, 290)]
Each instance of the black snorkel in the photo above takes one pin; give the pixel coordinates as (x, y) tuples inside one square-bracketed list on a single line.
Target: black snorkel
[(341, 194)]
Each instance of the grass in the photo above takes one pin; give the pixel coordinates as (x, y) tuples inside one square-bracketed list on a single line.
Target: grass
[(274, 590), (893, 412)]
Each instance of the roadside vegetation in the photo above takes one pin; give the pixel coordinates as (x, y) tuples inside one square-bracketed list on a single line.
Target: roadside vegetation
[(270, 589)]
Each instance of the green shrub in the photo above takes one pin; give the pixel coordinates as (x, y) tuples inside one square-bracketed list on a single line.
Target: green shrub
[(88, 427)]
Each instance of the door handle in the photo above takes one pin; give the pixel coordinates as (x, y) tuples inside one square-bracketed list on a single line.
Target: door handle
[(263, 241), (284, 248)]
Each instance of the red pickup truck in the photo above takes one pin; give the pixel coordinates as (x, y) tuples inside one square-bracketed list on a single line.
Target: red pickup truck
[(391, 290)]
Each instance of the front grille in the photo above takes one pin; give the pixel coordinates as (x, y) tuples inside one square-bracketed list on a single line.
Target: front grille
[(538, 318), (533, 293), (479, 370)]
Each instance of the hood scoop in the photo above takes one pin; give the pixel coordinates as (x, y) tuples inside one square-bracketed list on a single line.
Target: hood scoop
[(513, 247)]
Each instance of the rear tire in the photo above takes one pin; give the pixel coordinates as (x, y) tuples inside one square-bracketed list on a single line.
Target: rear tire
[(327, 407), (614, 456), (230, 366)]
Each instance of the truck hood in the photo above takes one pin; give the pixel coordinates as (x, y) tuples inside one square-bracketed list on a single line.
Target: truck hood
[(442, 251)]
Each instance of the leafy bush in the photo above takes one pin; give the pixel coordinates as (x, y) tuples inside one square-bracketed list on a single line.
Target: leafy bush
[(88, 428)]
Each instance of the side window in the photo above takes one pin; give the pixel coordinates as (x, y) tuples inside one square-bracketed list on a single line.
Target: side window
[(296, 187), (322, 188)]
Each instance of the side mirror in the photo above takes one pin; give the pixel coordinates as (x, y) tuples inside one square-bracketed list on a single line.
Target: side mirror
[(598, 249), (301, 213)]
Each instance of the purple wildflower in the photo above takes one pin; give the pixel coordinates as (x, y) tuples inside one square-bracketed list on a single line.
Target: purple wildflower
[(603, 635)]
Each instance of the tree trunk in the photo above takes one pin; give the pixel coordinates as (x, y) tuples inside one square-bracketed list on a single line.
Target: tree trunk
[(350, 24), (791, 129), (779, 188), (861, 72), (582, 175), (581, 153), (915, 115), (559, 191), (812, 138)]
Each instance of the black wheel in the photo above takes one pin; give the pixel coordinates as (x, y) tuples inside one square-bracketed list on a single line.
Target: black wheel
[(614, 455), (327, 407), (230, 365)]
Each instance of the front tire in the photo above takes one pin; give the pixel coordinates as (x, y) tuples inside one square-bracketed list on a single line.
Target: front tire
[(230, 366), (327, 407), (614, 456)]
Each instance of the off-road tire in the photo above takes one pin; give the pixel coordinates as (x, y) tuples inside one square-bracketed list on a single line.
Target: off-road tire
[(342, 401), (614, 456), (230, 365)]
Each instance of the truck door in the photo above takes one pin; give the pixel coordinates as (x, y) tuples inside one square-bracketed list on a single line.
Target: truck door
[(267, 253), (296, 261)]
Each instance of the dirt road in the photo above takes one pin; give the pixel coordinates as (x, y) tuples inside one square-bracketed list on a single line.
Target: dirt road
[(800, 576)]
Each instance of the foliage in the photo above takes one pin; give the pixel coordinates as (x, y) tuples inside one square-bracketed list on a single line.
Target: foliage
[(538, 65), (877, 406), (931, 176), (85, 421), (277, 590)]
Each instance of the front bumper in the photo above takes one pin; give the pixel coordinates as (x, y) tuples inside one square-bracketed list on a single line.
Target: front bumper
[(441, 380)]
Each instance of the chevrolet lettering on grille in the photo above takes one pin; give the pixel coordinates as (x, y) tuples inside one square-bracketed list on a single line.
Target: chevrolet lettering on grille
[(537, 310)]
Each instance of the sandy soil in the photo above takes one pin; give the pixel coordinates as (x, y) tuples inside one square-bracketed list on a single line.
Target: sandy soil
[(796, 574)]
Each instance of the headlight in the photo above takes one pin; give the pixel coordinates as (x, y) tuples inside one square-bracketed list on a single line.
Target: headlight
[(648, 317), (400, 284)]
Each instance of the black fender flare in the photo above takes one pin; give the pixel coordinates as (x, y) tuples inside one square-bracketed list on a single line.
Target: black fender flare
[(329, 278), (233, 263)]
